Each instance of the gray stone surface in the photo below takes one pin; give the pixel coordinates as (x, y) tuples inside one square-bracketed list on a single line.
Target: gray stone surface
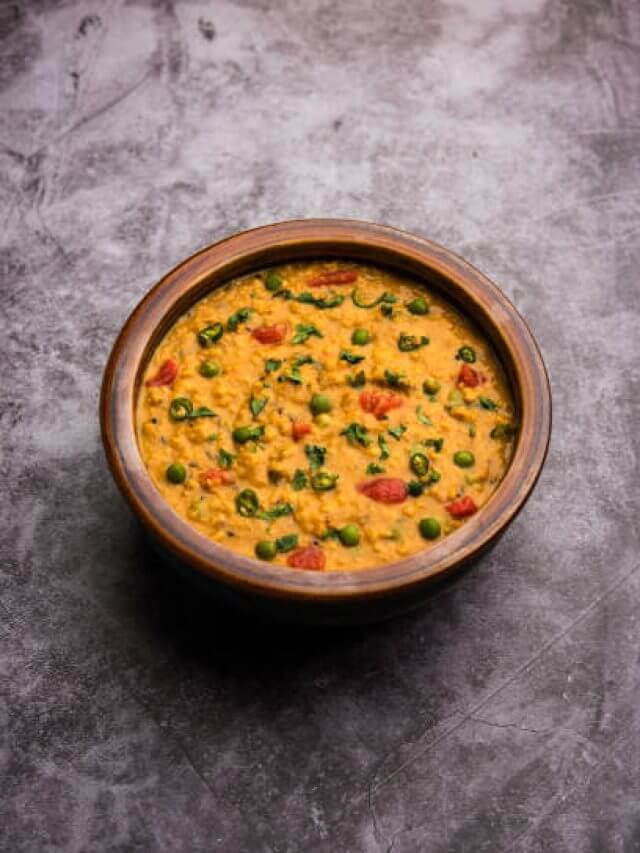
[(504, 715)]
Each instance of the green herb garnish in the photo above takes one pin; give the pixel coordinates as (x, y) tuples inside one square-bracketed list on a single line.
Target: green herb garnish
[(409, 343), (323, 481), (272, 364), (436, 443), (300, 480), (240, 316), (356, 434), (487, 403), (287, 543), (398, 431), (257, 404), (422, 417), (374, 468), (316, 455), (350, 357), (225, 459), (385, 453), (358, 380), (304, 332)]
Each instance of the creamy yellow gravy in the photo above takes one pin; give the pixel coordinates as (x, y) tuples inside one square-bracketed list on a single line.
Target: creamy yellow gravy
[(274, 445)]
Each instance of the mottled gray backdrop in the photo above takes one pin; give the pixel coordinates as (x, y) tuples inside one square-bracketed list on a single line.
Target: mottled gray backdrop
[(505, 715)]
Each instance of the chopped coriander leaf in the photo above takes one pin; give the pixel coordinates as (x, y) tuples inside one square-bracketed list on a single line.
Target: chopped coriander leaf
[(350, 357), (386, 310), (225, 459), (294, 376), (358, 380), (272, 364), (374, 468), (394, 379), (384, 448), (409, 343), (488, 403), (304, 332), (240, 316), (257, 404), (503, 431), (398, 431), (424, 420), (287, 543), (300, 360), (277, 511), (316, 455), (356, 434), (436, 443), (300, 480), (332, 301)]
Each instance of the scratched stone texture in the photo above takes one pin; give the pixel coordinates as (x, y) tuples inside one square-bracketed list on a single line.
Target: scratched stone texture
[(504, 715)]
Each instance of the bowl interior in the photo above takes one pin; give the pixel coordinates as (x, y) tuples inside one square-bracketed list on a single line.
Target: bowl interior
[(454, 279)]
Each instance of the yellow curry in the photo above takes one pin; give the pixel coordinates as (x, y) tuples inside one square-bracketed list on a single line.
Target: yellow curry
[(325, 415)]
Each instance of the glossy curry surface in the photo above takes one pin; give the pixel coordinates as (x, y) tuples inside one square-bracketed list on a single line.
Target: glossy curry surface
[(325, 415)]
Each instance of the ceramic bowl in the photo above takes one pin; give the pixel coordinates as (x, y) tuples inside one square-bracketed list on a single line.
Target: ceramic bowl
[(324, 597)]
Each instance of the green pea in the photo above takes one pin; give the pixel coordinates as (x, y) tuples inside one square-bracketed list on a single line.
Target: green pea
[(209, 369), (273, 282), (360, 337), (180, 408), (467, 354), (322, 481), (431, 385), (243, 434), (176, 473), (419, 464), (418, 306), (320, 404), (265, 550), (429, 528), (210, 335), (464, 458), (349, 535), (247, 503)]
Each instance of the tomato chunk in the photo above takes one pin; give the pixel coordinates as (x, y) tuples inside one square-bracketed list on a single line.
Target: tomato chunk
[(270, 334), (166, 374), (378, 402), (309, 557), (299, 429), (215, 477), (461, 508), (470, 377), (385, 490), (336, 277)]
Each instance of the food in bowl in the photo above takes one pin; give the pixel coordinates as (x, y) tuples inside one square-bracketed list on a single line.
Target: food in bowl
[(325, 415)]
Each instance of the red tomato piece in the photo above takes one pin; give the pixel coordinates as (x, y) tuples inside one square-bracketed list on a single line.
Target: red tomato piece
[(385, 490), (337, 277), (470, 377), (271, 334), (166, 374), (461, 508), (299, 430), (378, 403), (215, 477), (307, 557)]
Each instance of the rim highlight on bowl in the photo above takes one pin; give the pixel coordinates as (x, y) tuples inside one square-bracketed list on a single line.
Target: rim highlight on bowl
[(294, 593)]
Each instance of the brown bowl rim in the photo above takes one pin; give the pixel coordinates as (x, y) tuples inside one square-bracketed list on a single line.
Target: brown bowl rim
[(253, 249)]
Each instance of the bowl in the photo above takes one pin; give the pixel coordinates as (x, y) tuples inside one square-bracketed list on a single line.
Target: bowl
[(292, 594)]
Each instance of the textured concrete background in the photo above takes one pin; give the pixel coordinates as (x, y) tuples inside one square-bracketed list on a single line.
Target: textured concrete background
[(505, 715)]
